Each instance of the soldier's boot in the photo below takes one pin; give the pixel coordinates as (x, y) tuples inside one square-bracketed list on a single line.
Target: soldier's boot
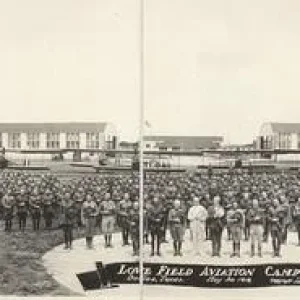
[(158, 249), (234, 250), (238, 249), (259, 251), (110, 241), (124, 237), (134, 248), (146, 238), (252, 250), (274, 248), (91, 243), (152, 247), (179, 248), (278, 250), (175, 248)]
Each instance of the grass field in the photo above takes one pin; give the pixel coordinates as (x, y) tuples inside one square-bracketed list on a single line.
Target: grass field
[(21, 269)]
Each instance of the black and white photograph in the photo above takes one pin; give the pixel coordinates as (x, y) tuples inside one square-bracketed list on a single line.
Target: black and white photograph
[(150, 149)]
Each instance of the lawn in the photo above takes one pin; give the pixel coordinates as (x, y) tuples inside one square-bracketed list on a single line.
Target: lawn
[(21, 269)]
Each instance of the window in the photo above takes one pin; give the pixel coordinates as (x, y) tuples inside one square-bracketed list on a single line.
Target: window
[(163, 148), (52, 141), (288, 141), (14, 140), (73, 140), (92, 140), (1, 142), (33, 140), (148, 146)]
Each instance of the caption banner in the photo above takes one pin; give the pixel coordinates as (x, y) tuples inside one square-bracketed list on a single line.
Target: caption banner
[(210, 276)]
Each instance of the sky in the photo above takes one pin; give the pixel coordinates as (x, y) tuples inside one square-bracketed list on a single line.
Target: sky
[(218, 67)]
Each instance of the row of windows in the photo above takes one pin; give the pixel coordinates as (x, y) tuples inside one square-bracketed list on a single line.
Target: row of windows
[(52, 140)]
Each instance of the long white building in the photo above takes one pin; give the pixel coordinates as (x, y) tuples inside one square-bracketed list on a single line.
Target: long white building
[(57, 136)]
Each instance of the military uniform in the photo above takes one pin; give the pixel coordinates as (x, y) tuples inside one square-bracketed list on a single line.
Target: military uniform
[(256, 221), (36, 211), (134, 221), (156, 219), (68, 220), (276, 219), (296, 219), (107, 211), (177, 227), (216, 221), (236, 223), (8, 206), (22, 212), (287, 221), (267, 223), (123, 212), (48, 210), (89, 212)]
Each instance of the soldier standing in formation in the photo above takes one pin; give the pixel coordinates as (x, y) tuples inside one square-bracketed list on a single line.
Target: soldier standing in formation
[(296, 218), (177, 224), (156, 218), (256, 221), (68, 219), (123, 214), (134, 222), (197, 216), (107, 211), (236, 223), (36, 211), (8, 202), (22, 210), (216, 219), (89, 212), (287, 217), (276, 219), (48, 210)]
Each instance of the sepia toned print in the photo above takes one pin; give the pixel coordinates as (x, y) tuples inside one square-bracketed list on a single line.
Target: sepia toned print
[(149, 149)]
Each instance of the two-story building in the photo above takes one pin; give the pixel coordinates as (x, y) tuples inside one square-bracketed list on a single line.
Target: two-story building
[(57, 136), (284, 136)]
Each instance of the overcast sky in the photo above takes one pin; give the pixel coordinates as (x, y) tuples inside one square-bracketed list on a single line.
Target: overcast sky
[(217, 67)]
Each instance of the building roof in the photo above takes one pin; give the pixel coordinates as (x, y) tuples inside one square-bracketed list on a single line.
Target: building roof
[(74, 127), (186, 142), (286, 127)]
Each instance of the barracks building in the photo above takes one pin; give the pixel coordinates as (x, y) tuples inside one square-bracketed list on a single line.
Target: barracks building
[(57, 136)]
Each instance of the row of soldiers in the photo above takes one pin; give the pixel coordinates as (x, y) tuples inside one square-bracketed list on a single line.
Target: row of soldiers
[(112, 199)]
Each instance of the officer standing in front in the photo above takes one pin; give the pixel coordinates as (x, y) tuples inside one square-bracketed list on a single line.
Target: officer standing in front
[(216, 215), (108, 211), (89, 211), (256, 221), (177, 226), (276, 218), (68, 219), (236, 223), (156, 225)]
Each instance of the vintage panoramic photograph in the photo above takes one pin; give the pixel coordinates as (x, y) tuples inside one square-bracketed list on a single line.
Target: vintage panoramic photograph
[(150, 148)]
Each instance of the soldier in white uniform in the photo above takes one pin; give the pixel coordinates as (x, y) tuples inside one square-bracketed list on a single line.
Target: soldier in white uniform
[(197, 216)]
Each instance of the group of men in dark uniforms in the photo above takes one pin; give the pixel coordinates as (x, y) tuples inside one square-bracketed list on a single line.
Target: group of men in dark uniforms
[(253, 206)]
